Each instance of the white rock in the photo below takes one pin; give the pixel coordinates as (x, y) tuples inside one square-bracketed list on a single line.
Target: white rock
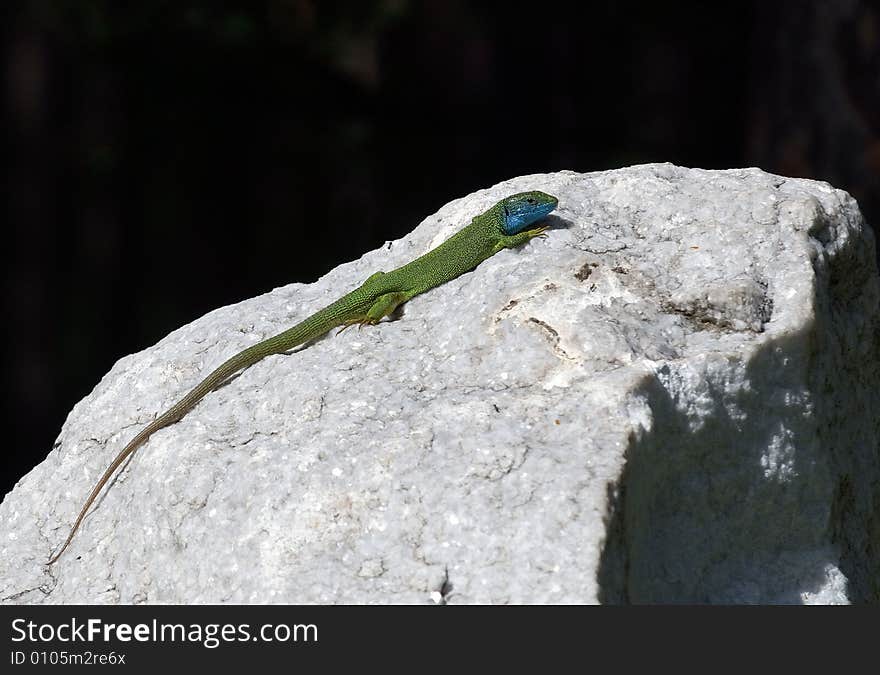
[(672, 398)]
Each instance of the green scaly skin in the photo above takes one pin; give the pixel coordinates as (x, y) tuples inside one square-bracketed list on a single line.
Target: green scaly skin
[(502, 226)]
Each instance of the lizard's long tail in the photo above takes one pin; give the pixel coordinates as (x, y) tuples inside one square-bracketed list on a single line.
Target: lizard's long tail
[(313, 327)]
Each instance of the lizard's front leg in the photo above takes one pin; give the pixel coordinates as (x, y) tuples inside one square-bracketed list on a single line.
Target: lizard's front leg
[(520, 238), (527, 235)]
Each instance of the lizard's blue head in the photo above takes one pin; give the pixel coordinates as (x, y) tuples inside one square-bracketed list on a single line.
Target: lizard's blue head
[(523, 209)]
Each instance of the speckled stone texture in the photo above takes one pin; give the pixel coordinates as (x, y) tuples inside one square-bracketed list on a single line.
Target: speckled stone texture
[(671, 398)]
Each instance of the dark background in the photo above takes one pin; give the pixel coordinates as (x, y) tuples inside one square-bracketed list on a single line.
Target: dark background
[(166, 158)]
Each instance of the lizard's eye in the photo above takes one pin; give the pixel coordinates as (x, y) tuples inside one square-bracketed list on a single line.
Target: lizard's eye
[(530, 200)]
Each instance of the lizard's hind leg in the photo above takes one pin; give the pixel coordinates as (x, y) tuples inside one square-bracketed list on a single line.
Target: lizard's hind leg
[(384, 306)]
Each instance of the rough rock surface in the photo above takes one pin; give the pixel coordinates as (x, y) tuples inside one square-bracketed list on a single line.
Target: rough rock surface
[(672, 398)]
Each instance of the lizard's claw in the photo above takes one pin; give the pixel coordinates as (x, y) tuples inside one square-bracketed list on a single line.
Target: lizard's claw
[(347, 324), (540, 232), (360, 323)]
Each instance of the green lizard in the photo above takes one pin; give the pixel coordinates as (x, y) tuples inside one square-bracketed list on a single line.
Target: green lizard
[(502, 226)]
